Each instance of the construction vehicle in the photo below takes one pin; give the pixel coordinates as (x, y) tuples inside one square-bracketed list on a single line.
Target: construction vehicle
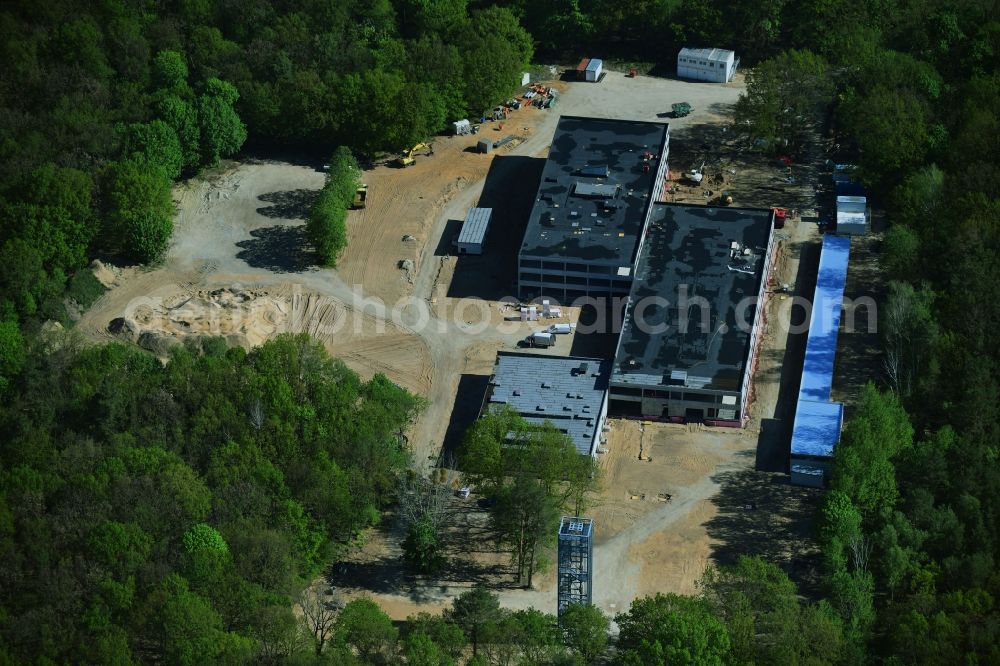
[(408, 157), (680, 109), (360, 197), (696, 175), (725, 198), (540, 339)]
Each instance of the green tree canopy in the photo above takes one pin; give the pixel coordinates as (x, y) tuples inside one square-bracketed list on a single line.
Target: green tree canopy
[(671, 629), (140, 209)]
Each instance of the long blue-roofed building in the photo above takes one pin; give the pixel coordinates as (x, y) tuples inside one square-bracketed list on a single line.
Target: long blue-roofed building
[(818, 422)]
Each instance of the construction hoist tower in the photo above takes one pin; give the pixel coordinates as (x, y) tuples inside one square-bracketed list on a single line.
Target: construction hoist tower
[(576, 556)]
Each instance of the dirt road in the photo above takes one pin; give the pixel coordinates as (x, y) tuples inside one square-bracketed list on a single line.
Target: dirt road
[(240, 266)]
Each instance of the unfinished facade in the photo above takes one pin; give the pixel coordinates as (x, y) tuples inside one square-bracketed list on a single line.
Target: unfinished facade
[(590, 213), (693, 325)]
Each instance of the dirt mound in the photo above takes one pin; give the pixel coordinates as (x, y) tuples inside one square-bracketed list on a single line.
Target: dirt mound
[(158, 343), (124, 329), (249, 316), (104, 275)]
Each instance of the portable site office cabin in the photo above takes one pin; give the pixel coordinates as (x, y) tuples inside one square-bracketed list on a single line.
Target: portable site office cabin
[(716, 65), (852, 215), (594, 70), (590, 69)]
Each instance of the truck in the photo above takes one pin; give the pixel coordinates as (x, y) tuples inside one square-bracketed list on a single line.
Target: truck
[(360, 197), (541, 339), (561, 329)]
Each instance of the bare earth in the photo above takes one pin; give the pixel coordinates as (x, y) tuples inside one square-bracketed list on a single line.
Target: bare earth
[(240, 266)]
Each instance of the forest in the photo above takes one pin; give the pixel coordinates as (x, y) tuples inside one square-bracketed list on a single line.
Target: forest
[(171, 513)]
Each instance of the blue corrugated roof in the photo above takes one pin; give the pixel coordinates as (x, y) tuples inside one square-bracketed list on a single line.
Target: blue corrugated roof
[(821, 346), (817, 428)]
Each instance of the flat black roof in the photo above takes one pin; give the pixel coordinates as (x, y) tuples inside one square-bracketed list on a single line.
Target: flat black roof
[(592, 199), (711, 253)]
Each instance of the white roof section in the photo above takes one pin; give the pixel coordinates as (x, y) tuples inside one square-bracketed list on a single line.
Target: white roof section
[(477, 223), (845, 217), (594, 64), (714, 55)]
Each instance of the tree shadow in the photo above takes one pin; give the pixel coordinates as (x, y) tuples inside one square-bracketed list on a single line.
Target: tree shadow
[(598, 329), (763, 514), (445, 244), (509, 190), (468, 402), (759, 181), (859, 346), (279, 249), (288, 205), (774, 441), (468, 547)]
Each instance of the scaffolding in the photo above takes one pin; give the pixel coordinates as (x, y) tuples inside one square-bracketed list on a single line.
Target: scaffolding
[(576, 554)]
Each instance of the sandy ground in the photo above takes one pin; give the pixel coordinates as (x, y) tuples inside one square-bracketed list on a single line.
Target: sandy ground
[(240, 266)]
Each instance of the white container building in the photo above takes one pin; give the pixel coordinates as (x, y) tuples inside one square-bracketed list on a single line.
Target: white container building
[(853, 215), (473, 235), (715, 65), (594, 69)]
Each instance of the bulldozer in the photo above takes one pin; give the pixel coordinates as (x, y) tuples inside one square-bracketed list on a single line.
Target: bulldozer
[(408, 157)]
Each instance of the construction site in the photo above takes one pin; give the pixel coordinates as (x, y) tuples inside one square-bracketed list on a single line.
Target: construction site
[(404, 301)]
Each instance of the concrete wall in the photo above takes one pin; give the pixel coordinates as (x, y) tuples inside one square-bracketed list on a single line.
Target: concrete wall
[(757, 332), (674, 401), (602, 419)]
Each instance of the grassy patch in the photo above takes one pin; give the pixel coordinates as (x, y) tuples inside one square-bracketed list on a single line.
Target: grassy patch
[(84, 288)]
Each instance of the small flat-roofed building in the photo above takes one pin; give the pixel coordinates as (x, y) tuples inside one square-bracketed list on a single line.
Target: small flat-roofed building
[(853, 216), (586, 226), (692, 329), (817, 425), (570, 392), (594, 70), (716, 65), (472, 238)]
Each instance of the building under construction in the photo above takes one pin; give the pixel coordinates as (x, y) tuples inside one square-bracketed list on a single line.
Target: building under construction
[(689, 343), (594, 200), (575, 562)]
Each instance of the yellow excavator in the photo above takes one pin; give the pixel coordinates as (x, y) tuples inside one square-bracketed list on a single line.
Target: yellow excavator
[(408, 156)]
